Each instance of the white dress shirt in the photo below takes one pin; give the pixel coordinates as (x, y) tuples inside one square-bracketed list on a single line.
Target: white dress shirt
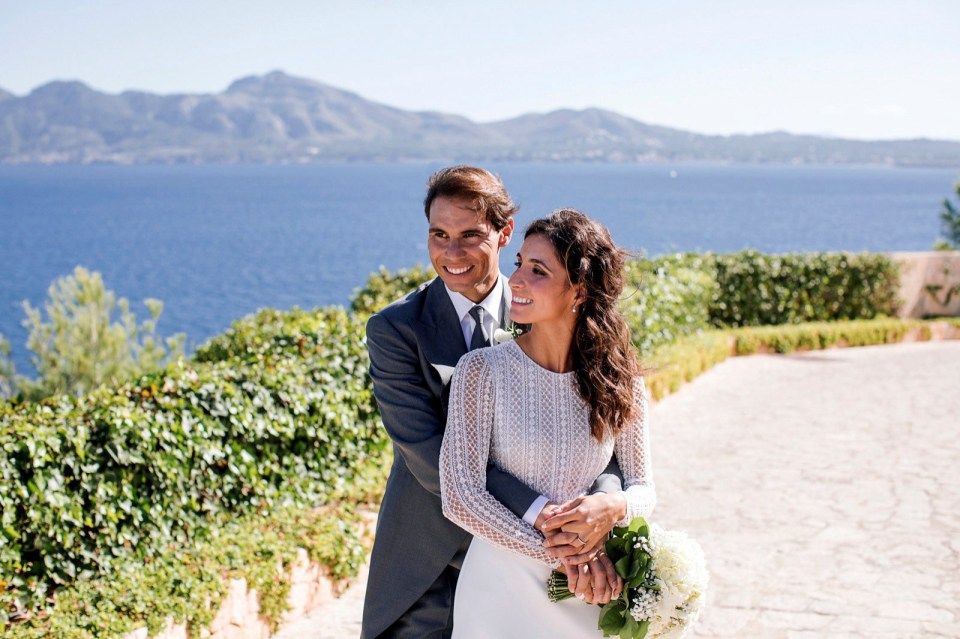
[(491, 317)]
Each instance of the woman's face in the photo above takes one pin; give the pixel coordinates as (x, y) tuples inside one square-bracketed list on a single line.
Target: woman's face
[(540, 287)]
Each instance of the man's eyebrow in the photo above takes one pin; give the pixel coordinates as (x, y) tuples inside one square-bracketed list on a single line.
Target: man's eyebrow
[(472, 229)]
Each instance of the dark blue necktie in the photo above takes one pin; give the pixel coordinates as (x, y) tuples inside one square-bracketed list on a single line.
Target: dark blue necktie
[(479, 338)]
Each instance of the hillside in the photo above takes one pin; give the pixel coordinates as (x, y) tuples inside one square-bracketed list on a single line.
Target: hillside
[(277, 118)]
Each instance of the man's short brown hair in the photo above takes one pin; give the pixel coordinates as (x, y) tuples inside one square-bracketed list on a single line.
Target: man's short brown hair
[(482, 190)]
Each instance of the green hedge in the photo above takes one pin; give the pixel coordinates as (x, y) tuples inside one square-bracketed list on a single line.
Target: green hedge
[(277, 410), (753, 289), (820, 335), (676, 295), (667, 298), (671, 365), (385, 286)]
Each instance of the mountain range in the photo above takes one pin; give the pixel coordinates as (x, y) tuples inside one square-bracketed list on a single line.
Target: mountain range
[(278, 118)]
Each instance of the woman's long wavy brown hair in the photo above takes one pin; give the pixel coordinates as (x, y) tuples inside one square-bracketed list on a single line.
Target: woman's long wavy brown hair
[(604, 358)]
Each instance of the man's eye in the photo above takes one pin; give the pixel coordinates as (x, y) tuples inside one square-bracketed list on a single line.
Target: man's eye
[(516, 263)]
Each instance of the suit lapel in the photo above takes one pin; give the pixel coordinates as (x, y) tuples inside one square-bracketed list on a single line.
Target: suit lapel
[(439, 333), (505, 321)]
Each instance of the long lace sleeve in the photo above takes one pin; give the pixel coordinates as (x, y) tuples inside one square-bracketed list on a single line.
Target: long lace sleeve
[(463, 461), (633, 453)]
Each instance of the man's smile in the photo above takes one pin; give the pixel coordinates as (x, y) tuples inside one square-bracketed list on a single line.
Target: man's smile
[(457, 271)]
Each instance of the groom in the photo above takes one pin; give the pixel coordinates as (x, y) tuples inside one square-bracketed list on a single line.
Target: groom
[(414, 345)]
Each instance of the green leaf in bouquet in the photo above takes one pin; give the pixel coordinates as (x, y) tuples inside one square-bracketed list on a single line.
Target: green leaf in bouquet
[(642, 628), (613, 547), (630, 628), (635, 569), (612, 617), (622, 566), (639, 525)]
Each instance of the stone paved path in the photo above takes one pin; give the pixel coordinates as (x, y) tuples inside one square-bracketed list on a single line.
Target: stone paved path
[(824, 488)]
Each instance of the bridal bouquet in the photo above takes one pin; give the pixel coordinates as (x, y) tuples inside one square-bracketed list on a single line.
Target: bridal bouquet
[(665, 580)]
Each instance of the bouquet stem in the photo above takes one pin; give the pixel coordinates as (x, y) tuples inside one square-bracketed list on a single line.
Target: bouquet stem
[(557, 587)]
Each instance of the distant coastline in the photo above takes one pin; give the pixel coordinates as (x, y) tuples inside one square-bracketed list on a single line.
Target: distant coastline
[(281, 119)]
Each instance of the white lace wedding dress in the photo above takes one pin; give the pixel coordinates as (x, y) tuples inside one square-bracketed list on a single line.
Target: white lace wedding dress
[(530, 422)]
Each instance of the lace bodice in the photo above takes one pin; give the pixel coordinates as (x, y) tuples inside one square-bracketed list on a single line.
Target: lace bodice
[(530, 422)]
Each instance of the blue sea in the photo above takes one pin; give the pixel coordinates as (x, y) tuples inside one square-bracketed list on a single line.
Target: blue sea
[(215, 243)]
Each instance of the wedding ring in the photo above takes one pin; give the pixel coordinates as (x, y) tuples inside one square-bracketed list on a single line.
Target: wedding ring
[(582, 542)]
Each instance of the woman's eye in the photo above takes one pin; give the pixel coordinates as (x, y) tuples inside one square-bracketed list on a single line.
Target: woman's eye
[(537, 271)]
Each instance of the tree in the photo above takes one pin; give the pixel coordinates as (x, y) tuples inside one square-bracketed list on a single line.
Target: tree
[(81, 345), (950, 224), (7, 371)]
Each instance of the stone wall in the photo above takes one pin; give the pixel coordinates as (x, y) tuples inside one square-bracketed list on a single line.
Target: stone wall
[(929, 283), (239, 615)]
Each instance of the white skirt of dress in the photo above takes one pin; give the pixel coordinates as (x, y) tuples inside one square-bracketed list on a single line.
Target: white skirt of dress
[(502, 594)]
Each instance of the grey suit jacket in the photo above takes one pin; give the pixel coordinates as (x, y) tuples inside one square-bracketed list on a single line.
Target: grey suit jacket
[(414, 345)]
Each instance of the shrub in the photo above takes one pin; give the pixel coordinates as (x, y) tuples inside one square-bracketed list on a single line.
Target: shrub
[(671, 365), (186, 581), (7, 370), (666, 298), (384, 287), (754, 289), (950, 224), (261, 419), (820, 335), (83, 344)]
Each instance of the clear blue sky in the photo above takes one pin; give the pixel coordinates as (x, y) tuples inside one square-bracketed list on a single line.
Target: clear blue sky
[(850, 68)]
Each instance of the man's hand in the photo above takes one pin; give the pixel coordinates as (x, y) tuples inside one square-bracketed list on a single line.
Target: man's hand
[(549, 510), (576, 530), (595, 582)]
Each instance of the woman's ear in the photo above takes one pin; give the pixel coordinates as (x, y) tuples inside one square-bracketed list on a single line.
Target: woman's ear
[(581, 296)]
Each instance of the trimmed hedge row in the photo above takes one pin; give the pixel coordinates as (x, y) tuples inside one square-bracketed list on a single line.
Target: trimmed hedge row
[(278, 410), (672, 365), (754, 289), (676, 295)]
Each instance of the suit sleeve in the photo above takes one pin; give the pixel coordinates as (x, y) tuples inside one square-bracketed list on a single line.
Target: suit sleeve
[(611, 480), (413, 416)]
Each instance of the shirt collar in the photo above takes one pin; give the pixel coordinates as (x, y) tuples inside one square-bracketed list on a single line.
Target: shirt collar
[(491, 303)]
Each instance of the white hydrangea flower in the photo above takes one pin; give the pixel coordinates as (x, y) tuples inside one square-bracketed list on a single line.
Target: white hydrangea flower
[(679, 568)]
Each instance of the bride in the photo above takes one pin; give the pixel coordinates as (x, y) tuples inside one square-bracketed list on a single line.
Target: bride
[(550, 408)]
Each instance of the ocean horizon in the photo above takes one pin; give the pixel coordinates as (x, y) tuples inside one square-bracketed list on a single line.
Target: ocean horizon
[(216, 243)]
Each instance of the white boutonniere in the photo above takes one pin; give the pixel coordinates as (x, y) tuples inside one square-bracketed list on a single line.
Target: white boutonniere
[(500, 335)]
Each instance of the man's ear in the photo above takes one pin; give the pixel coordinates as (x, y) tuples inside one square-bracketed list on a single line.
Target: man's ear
[(506, 233)]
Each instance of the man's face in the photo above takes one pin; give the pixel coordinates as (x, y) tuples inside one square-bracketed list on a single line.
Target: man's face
[(464, 248)]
